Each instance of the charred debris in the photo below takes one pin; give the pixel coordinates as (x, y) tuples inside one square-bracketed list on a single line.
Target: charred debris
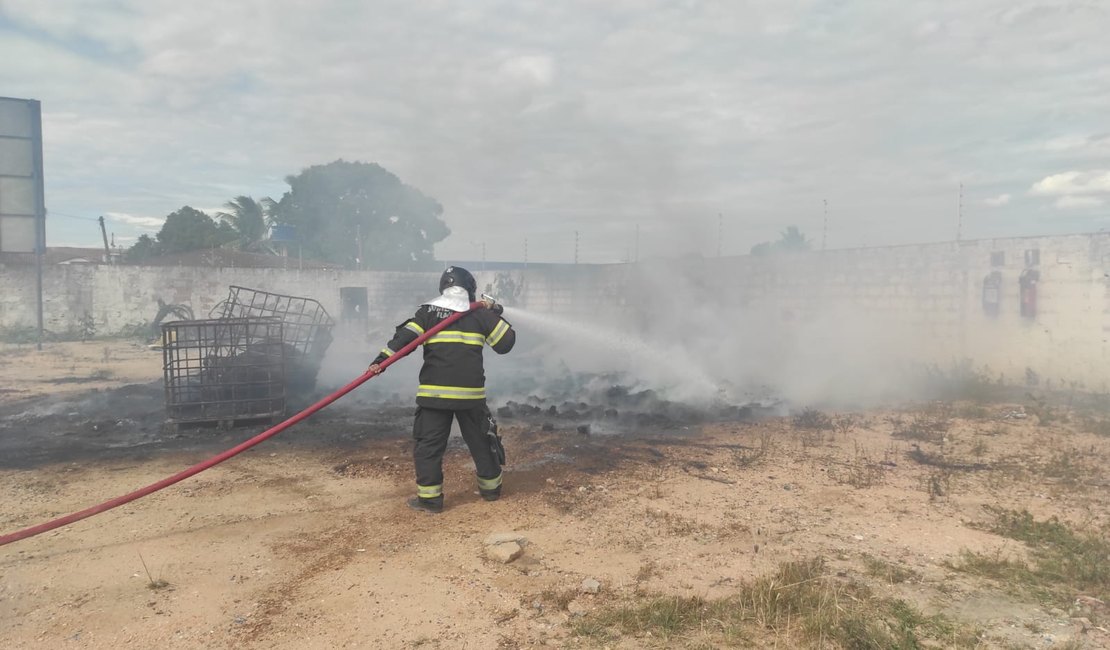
[(238, 366), (620, 406)]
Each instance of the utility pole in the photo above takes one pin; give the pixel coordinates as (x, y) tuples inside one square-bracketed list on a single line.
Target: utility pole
[(483, 256), (525, 252), (825, 225), (960, 213), (575, 246), (720, 232), (104, 234), (636, 245), (358, 244)]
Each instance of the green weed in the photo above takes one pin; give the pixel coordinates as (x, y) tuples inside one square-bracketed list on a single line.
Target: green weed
[(1061, 564)]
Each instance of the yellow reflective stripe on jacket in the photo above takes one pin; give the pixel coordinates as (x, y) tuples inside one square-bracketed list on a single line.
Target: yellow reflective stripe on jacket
[(414, 328), (429, 491), (498, 333), (450, 392), (489, 483), (387, 352), (466, 338)]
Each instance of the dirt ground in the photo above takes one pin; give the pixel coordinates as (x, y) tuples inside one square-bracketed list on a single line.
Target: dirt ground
[(305, 541)]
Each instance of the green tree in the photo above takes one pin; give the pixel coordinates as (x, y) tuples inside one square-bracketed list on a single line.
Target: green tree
[(190, 229), (338, 206), (143, 249), (250, 219), (791, 240)]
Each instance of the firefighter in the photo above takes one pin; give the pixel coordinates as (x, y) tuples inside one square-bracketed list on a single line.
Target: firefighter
[(452, 386)]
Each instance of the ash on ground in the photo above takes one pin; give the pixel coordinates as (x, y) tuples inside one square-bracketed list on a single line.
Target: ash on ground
[(611, 403)]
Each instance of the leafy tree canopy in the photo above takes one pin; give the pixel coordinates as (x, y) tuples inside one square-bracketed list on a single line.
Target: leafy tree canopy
[(334, 206), (143, 249), (186, 229), (790, 240)]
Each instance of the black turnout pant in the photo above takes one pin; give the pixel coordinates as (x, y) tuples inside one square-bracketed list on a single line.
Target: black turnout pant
[(431, 429)]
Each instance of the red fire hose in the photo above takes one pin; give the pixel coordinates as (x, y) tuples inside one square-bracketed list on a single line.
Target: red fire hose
[(215, 460)]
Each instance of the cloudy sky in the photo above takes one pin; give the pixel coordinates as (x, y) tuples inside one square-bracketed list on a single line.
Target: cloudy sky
[(531, 120)]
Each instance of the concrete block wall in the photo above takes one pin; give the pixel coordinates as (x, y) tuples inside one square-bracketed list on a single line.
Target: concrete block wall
[(932, 294), (935, 292), (117, 298)]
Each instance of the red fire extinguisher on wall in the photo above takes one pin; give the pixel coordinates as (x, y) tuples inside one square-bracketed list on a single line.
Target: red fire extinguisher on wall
[(1028, 284)]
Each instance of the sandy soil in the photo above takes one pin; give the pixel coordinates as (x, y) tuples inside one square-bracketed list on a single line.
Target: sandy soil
[(305, 542), (73, 367)]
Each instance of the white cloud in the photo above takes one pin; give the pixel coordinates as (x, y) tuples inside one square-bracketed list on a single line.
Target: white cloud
[(1066, 143), (536, 69), (535, 119), (1073, 183), (1078, 202), (142, 223), (997, 201)]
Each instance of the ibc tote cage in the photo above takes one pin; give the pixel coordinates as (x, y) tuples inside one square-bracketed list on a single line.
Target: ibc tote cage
[(224, 370), (306, 334)]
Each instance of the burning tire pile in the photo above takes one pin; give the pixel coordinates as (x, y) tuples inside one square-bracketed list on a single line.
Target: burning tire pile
[(621, 406)]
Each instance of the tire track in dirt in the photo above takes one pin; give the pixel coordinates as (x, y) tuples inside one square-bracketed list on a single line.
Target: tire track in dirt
[(332, 548)]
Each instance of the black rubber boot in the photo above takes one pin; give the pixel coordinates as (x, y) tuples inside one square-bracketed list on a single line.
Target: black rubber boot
[(427, 505), (490, 495)]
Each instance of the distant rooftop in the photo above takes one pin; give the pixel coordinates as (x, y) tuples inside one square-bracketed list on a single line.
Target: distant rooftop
[(231, 258)]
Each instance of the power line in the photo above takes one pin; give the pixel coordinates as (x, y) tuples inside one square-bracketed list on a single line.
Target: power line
[(52, 213)]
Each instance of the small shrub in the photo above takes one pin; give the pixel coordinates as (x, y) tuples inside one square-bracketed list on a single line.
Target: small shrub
[(749, 457), (888, 572), (973, 411), (1045, 413), (86, 327), (1065, 465), (979, 449), (925, 426), (153, 583), (847, 423), (938, 484), (559, 599), (814, 420), (962, 381), (860, 472)]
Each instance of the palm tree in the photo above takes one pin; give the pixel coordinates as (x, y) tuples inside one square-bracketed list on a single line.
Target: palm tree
[(251, 221)]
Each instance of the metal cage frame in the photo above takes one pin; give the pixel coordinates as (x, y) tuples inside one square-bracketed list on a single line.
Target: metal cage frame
[(224, 370), (307, 328)]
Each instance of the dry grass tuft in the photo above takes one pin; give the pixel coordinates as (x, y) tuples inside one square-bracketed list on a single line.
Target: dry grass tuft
[(1062, 563), (800, 604)]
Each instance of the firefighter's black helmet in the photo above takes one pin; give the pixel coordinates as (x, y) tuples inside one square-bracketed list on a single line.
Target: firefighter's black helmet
[(457, 276)]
